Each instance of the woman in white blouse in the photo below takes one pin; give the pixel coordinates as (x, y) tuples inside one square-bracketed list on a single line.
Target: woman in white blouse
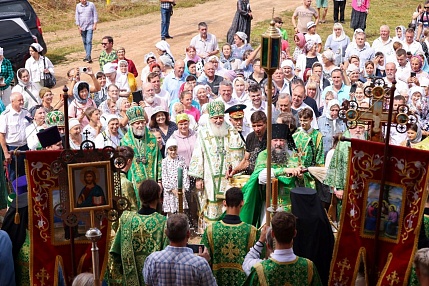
[(38, 65)]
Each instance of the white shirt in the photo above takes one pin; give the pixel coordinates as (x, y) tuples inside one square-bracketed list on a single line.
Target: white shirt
[(36, 68), (415, 47), (386, 48), (304, 105), (29, 102), (13, 124), (105, 139), (205, 46)]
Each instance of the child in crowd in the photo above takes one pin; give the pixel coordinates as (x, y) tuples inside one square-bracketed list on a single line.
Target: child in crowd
[(186, 100), (170, 166)]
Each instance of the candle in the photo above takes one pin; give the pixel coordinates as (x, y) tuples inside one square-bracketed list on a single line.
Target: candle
[(275, 191), (180, 178)]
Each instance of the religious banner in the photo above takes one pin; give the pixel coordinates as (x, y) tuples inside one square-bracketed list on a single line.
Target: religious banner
[(401, 213), (50, 248)]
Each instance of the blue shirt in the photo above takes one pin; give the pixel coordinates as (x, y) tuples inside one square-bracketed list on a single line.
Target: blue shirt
[(177, 266), (86, 16), (7, 271), (172, 84), (342, 94)]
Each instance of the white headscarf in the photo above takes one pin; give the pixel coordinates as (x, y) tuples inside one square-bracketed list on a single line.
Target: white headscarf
[(331, 103), (334, 36), (164, 46)]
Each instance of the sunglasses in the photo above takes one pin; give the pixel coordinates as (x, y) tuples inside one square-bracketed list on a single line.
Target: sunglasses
[(426, 7)]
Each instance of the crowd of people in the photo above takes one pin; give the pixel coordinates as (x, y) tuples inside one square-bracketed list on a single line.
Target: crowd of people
[(206, 114)]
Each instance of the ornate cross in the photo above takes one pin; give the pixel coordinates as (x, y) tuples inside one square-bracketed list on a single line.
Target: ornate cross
[(41, 275), (343, 265), (393, 278), (230, 250), (86, 133), (300, 153)]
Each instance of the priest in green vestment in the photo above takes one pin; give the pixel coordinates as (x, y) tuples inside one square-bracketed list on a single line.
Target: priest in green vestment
[(284, 167), (284, 267), (229, 240), (139, 234), (219, 148), (147, 156), (336, 176)]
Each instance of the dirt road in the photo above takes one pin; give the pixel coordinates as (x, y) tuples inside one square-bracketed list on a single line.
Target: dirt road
[(138, 35)]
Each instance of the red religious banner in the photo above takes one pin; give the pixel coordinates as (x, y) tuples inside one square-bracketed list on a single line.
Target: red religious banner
[(50, 250), (401, 213)]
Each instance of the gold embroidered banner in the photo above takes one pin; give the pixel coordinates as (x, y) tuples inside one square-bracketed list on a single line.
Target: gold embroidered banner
[(401, 213), (49, 235)]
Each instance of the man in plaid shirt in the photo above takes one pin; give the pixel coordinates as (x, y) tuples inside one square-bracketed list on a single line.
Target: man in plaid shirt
[(6, 77), (177, 264)]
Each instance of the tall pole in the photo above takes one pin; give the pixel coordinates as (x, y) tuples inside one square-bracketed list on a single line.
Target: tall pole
[(66, 117), (269, 136), (270, 62)]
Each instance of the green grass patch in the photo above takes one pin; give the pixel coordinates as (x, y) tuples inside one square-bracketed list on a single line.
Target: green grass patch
[(59, 55), (391, 13)]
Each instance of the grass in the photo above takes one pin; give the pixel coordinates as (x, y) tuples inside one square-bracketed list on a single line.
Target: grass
[(59, 14), (382, 12)]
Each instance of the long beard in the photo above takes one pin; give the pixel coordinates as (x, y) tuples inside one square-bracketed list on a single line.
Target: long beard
[(219, 131), (279, 156), (360, 137), (138, 132)]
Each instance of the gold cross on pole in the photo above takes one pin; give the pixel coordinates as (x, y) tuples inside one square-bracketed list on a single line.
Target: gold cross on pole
[(41, 275)]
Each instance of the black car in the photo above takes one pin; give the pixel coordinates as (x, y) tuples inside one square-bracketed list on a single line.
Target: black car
[(16, 41), (11, 9)]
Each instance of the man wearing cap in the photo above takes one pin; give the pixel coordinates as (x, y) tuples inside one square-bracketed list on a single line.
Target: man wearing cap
[(284, 167), (219, 148), (86, 20), (313, 36), (236, 115), (304, 14), (256, 142), (175, 79), (50, 139), (147, 159), (13, 122), (205, 43), (6, 77)]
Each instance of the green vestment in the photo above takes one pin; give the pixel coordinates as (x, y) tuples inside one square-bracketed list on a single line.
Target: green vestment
[(137, 237), (413, 277), (254, 195), (310, 153), (228, 244), (300, 272), (127, 189), (337, 170), (147, 159)]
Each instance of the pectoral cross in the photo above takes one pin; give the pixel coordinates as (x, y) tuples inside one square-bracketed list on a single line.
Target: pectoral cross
[(41, 275), (141, 159), (393, 278), (220, 151), (86, 133), (300, 153), (343, 265)]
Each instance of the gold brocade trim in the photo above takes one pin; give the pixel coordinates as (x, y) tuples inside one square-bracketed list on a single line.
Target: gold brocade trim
[(261, 275), (309, 271), (210, 238), (237, 266), (58, 263), (285, 263), (80, 265), (385, 268), (252, 237)]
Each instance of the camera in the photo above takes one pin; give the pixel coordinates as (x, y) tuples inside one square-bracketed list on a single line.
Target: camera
[(83, 69)]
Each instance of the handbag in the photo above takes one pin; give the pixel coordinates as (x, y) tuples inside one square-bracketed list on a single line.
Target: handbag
[(49, 79)]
